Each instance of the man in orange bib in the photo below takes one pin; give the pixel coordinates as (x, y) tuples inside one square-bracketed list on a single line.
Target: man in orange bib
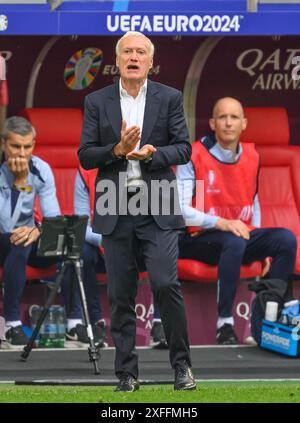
[(227, 230)]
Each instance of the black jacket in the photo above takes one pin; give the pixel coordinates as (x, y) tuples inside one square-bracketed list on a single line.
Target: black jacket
[(164, 127)]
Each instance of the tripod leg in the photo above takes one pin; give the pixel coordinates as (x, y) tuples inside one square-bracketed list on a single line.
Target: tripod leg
[(27, 349), (94, 353)]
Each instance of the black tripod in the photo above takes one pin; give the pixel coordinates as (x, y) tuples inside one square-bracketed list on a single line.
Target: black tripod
[(67, 245)]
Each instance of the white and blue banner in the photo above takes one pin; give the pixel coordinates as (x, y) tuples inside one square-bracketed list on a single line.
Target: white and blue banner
[(165, 17)]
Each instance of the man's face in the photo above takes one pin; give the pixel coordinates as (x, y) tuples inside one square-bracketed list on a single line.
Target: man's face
[(18, 146), (228, 121), (134, 60)]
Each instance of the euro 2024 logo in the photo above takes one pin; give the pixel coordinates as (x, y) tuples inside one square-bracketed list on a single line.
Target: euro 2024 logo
[(82, 68)]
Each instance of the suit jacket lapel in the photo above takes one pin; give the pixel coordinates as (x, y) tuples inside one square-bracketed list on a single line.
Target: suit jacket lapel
[(113, 110), (151, 111), (114, 114)]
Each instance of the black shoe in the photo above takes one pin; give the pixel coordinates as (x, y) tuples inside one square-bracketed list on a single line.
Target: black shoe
[(127, 383), (226, 335), (16, 336), (184, 379), (99, 332), (158, 339), (79, 333)]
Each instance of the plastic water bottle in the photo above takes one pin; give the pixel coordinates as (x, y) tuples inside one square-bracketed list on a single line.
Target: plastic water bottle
[(60, 319), (48, 332)]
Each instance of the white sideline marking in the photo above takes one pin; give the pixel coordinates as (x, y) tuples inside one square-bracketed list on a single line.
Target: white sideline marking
[(15, 349), (201, 381), (247, 380), (113, 348)]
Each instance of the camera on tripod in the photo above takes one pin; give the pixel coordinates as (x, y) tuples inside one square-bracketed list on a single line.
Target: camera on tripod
[(62, 236)]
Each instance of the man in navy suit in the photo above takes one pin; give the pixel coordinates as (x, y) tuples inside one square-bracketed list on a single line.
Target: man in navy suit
[(134, 131)]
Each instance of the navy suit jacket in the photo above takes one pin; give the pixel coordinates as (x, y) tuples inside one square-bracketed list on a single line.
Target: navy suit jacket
[(164, 127)]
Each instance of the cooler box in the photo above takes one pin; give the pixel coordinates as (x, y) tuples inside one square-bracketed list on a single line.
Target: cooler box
[(280, 338)]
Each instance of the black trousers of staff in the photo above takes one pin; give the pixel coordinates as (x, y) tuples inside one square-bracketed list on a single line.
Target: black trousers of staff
[(75, 263)]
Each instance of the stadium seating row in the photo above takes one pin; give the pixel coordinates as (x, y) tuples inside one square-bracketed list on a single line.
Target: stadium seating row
[(58, 137)]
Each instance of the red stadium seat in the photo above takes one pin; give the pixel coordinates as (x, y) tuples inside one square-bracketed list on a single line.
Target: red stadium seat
[(279, 180), (58, 137), (196, 271), (57, 141), (266, 126), (34, 273)]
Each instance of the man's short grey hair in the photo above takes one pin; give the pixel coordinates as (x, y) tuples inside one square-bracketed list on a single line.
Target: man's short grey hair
[(17, 125), (135, 34)]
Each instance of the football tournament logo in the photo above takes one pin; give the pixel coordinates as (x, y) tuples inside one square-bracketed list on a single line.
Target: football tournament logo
[(211, 183), (82, 68)]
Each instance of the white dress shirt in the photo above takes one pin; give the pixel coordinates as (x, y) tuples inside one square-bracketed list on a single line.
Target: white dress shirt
[(133, 110)]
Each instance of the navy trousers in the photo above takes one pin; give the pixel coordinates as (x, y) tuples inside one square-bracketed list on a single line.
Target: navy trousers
[(229, 252), (160, 252), (14, 260)]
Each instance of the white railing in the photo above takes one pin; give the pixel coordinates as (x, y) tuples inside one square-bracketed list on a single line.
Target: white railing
[(23, 1), (53, 3), (252, 4), (279, 1)]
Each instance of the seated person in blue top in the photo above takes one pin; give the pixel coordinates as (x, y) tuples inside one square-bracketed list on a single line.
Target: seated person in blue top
[(23, 176), (93, 263), (227, 232)]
